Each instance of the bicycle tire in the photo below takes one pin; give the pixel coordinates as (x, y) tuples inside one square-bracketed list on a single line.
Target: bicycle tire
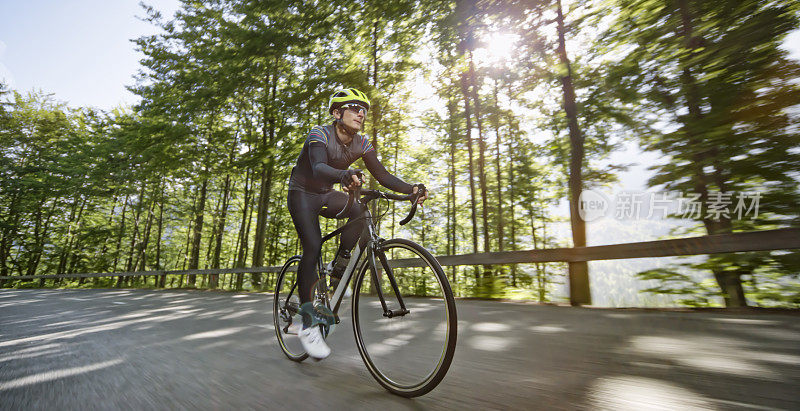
[(432, 379), (289, 348)]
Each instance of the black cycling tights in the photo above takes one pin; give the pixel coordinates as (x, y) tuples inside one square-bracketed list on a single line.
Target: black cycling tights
[(305, 209)]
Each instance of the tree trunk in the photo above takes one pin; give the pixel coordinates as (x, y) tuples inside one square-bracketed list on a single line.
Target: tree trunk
[(7, 232), (162, 280), (543, 266), (487, 282), (70, 236), (247, 215), (40, 236), (100, 265), (220, 229), (452, 199), (579, 292), (268, 140), (37, 227), (511, 200), (276, 230), (194, 259), (473, 215), (141, 250), (481, 163), (140, 262), (499, 213), (72, 246), (212, 239), (119, 238), (541, 283), (188, 242), (730, 282), (129, 266)]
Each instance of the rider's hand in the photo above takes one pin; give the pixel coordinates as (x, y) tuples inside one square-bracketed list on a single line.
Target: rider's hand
[(424, 195), (351, 179)]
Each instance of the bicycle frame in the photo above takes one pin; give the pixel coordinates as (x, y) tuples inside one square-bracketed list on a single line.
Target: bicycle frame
[(362, 255)]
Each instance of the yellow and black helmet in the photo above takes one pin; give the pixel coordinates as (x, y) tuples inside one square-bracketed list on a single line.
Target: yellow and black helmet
[(345, 96)]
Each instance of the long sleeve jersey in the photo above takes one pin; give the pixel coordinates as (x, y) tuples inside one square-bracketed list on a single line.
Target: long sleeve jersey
[(324, 160)]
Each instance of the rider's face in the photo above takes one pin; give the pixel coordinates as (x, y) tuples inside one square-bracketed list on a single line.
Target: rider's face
[(352, 118)]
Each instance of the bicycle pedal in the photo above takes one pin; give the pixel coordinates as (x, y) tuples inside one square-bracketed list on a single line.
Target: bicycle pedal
[(395, 313)]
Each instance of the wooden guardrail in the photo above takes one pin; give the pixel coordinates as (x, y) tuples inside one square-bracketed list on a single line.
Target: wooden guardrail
[(768, 240)]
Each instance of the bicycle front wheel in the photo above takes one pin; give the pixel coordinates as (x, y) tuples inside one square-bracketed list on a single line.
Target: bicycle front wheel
[(408, 353)]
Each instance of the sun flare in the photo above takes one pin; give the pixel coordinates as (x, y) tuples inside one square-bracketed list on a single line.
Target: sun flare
[(497, 48)]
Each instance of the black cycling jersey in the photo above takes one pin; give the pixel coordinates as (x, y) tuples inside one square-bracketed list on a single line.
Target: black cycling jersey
[(324, 160)]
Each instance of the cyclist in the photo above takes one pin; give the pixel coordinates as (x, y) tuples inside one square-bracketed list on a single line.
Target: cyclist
[(325, 159)]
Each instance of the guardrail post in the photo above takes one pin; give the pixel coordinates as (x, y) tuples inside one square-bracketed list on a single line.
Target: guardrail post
[(579, 292)]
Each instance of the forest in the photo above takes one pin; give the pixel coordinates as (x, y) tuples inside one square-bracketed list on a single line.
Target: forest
[(502, 108)]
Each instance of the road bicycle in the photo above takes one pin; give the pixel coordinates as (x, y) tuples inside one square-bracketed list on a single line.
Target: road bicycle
[(403, 310)]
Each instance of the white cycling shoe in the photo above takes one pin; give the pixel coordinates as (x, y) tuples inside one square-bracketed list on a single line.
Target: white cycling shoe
[(313, 343)]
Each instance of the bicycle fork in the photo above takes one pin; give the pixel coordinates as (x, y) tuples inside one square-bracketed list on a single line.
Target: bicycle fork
[(376, 249)]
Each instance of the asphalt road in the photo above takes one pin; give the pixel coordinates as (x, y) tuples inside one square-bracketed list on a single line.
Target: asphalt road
[(139, 349)]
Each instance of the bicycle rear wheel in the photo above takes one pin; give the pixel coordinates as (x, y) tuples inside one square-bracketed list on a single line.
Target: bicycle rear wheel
[(408, 354), (286, 303)]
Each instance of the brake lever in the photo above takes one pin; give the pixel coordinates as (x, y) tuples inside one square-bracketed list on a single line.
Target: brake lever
[(413, 211)]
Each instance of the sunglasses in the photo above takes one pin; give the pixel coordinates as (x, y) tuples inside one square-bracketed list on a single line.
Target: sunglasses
[(356, 108)]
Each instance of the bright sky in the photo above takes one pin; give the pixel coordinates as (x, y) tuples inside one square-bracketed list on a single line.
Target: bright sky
[(78, 49)]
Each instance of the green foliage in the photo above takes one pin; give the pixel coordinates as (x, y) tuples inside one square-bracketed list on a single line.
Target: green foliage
[(670, 282), (714, 75)]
